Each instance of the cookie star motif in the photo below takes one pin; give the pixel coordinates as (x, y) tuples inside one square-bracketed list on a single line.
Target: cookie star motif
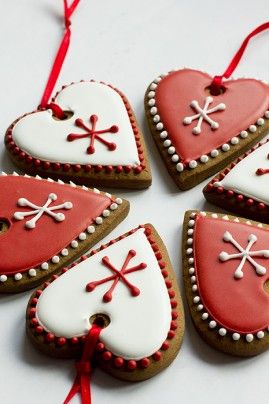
[(202, 114), (244, 254), (119, 276), (93, 134), (38, 211)]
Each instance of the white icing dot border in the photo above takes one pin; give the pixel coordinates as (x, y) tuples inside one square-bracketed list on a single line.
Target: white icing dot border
[(167, 143), (212, 323), (45, 266)]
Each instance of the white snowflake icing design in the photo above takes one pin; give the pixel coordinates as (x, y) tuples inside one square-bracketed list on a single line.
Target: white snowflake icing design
[(202, 114), (244, 255), (38, 211)]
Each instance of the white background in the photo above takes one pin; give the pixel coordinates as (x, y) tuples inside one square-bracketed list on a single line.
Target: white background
[(127, 43)]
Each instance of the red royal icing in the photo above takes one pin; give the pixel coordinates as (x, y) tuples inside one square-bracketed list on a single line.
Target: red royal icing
[(93, 134), (23, 248), (237, 304), (245, 101), (118, 276)]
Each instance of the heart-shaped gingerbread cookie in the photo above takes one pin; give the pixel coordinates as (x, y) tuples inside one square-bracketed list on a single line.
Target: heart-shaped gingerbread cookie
[(130, 284), (197, 132), (97, 143), (45, 225), (242, 187), (226, 273)]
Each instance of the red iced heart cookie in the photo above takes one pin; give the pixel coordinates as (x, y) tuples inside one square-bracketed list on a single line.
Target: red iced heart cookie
[(198, 132), (226, 267), (97, 142), (46, 225)]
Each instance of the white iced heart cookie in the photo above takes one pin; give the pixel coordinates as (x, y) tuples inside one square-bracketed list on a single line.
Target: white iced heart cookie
[(243, 186), (98, 138), (131, 283)]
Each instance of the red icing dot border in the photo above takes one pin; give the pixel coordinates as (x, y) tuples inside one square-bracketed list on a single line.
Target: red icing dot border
[(107, 356), (66, 167)]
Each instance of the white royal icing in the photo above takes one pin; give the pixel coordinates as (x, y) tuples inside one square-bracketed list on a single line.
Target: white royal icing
[(45, 138), (38, 211), (243, 179), (245, 254), (139, 324), (202, 114)]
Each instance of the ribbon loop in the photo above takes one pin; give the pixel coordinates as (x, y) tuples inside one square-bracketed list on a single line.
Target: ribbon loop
[(217, 82), (59, 59), (84, 369)]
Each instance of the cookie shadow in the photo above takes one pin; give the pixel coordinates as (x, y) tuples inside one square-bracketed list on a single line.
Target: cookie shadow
[(204, 351), (208, 207), (34, 358), (6, 163), (157, 165)]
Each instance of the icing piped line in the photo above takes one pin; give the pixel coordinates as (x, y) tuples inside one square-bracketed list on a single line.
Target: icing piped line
[(212, 323), (118, 362), (167, 143), (32, 272)]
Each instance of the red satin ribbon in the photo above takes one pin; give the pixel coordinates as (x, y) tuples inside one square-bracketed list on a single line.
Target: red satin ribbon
[(84, 369), (217, 81), (58, 61)]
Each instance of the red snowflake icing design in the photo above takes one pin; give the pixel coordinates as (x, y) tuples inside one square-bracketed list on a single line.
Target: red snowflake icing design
[(261, 171), (119, 275), (93, 134)]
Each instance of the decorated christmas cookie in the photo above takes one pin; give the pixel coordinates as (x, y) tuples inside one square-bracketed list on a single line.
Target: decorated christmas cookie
[(226, 273), (87, 133), (46, 225), (201, 123), (95, 141), (119, 308), (198, 132), (243, 186)]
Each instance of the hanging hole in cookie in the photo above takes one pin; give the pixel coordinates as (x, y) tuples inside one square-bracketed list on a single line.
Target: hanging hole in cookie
[(266, 286), (67, 115), (100, 319), (4, 225), (214, 90)]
